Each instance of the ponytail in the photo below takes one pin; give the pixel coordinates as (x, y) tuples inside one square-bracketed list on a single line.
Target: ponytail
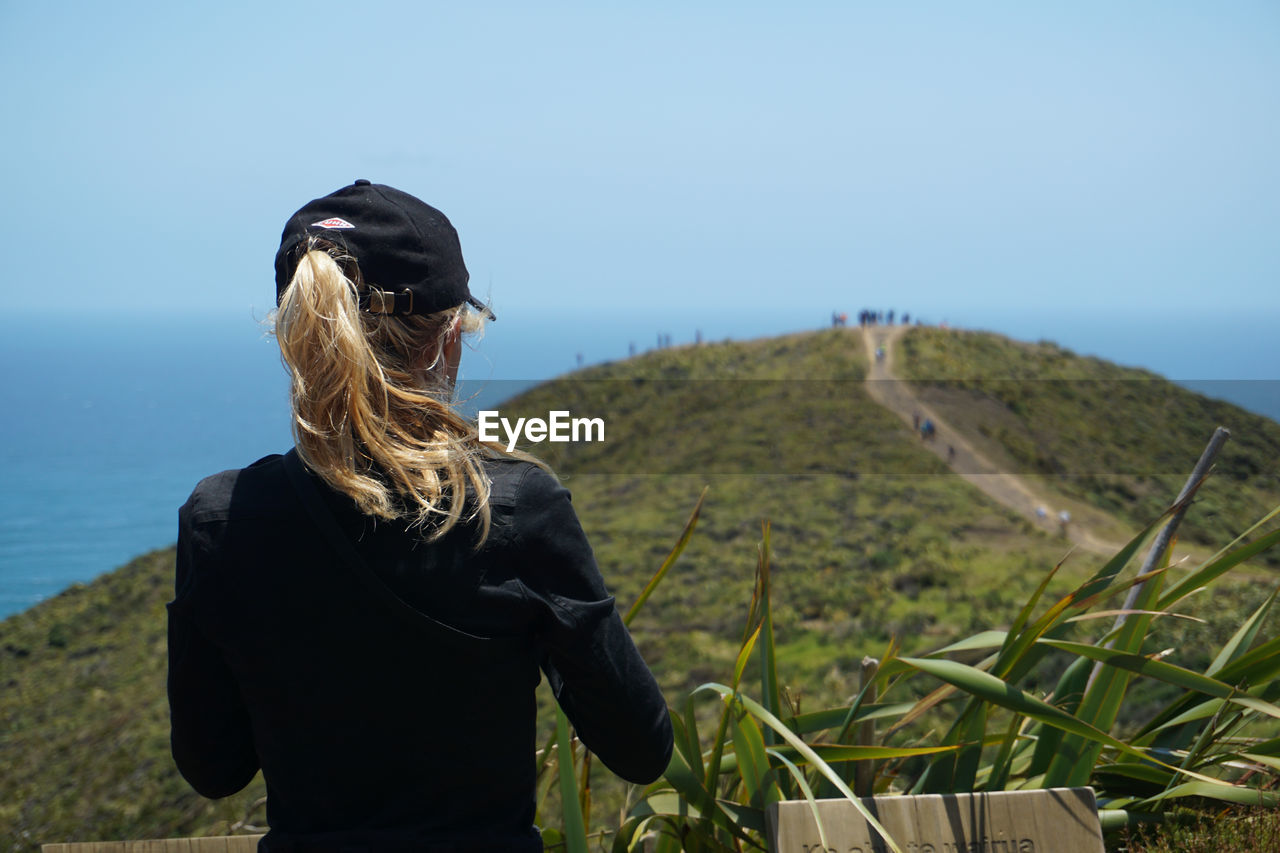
[(371, 412)]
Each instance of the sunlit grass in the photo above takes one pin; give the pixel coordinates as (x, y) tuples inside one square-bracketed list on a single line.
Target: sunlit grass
[(978, 714)]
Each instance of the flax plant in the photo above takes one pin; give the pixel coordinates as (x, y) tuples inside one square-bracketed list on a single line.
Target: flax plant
[(1219, 739)]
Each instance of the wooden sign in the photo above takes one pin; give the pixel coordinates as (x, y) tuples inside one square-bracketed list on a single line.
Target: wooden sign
[(1054, 820), (221, 844)]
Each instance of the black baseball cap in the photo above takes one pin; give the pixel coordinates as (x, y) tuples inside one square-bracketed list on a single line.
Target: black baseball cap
[(407, 251)]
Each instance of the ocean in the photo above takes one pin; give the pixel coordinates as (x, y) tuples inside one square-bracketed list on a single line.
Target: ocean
[(109, 423)]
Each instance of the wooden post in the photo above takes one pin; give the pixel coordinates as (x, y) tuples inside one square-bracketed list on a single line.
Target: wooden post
[(864, 772)]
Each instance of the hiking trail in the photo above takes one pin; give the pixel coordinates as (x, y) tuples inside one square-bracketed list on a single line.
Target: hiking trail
[(1006, 488)]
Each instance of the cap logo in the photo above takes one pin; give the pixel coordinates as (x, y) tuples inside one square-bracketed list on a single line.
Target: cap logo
[(332, 222)]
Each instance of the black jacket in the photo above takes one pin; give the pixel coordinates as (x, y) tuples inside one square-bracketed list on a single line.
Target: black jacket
[(385, 685)]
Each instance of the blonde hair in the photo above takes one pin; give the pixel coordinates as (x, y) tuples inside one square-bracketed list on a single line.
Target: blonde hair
[(371, 411)]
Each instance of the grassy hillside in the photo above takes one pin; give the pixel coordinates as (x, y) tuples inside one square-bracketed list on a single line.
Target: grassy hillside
[(1120, 439), (872, 537), (84, 722)]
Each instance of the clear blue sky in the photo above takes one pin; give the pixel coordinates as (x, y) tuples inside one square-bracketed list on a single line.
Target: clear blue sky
[(959, 160)]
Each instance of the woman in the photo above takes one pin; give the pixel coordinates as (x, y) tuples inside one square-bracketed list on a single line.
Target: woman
[(364, 618)]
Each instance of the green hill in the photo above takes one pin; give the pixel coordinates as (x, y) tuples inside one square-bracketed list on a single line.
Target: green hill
[(1122, 440), (872, 537)]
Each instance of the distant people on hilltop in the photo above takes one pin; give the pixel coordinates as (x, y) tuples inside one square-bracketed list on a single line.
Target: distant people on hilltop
[(875, 317)]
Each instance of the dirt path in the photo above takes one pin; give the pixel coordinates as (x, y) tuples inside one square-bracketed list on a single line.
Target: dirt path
[(951, 447)]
